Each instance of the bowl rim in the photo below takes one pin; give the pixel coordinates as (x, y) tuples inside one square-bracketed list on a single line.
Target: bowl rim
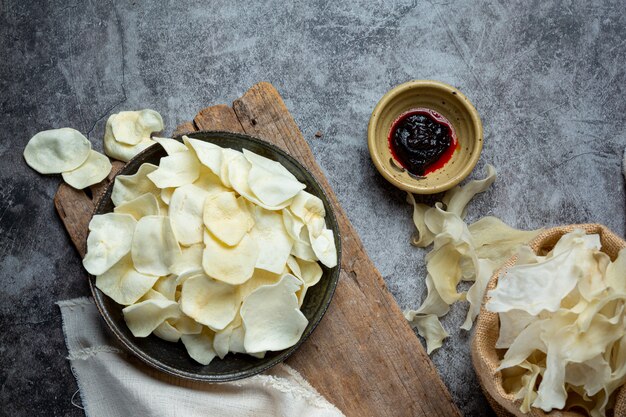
[(98, 295), (413, 185)]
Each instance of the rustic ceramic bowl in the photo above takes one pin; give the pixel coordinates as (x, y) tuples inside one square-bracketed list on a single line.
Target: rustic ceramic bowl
[(447, 101), (172, 358)]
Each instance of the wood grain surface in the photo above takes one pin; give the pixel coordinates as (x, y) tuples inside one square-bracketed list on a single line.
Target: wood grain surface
[(363, 357)]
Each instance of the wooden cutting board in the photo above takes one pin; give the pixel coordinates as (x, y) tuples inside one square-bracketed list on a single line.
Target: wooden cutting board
[(363, 357)]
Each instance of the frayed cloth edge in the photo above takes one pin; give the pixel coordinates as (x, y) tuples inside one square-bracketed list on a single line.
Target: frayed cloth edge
[(89, 352), (75, 302)]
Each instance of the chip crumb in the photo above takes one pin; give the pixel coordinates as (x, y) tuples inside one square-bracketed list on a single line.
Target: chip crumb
[(318, 134)]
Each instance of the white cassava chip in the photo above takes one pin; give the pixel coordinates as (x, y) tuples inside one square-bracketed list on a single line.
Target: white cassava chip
[(121, 152), (171, 146), (185, 211), (307, 207), (178, 169), (142, 318), (308, 272), (258, 279), (302, 247), (517, 289), (430, 328), (123, 283), (128, 133), (238, 176), (422, 236), (144, 205), (271, 318), (134, 127), (221, 341), (228, 155), (190, 260), (477, 291), (57, 150), (154, 247), (268, 164), (497, 241), (187, 325), (129, 187), (209, 302), (110, 238), (293, 225), (233, 265), (324, 248), (572, 336), (208, 154), (166, 194), (271, 188), (274, 242), (227, 217), (200, 346), (457, 198), (209, 182), (167, 332), (166, 286), (92, 171)]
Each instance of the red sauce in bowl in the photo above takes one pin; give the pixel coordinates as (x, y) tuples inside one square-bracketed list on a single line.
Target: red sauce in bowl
[(422, 141)]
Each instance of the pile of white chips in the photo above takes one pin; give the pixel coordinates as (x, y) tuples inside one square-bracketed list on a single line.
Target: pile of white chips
[(213, 247), (461, 252), (68, 152), (562, 324)]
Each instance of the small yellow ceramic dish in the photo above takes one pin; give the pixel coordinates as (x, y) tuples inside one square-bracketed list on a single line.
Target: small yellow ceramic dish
[(443, 99)]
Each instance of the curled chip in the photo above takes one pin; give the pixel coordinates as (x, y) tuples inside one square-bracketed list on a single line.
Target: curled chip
[(307, 207), (178, 169), (271, 317), (270, 188), (57, 150), (324, 248), (144, 205), (133, 127), (127, 133), (129, 187), (92, 171), (123, 283), (209, 302), (227, 217), (166, 195), (110, 238), (142, 318), (460, 253), (238, 178), (210, 155), (233, 265), (167, 332), (258, 279), (171, 146), (200, 346)]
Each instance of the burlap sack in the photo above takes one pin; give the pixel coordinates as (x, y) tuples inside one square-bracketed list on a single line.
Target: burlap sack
[(486, 358)]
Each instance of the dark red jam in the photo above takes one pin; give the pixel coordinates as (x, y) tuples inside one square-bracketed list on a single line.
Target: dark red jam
[(422, 141)]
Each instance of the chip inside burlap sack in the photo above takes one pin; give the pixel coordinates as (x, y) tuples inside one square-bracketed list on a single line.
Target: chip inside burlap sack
[(486, 358)]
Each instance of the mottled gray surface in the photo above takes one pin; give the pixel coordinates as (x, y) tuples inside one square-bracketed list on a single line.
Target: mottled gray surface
[(547, 78)]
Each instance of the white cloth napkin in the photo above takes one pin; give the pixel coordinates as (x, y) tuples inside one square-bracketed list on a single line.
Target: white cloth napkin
[(113, 384)]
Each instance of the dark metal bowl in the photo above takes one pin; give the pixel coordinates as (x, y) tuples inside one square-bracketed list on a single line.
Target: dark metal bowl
[(172, 358)]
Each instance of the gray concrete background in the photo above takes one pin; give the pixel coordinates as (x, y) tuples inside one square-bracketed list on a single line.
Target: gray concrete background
[(546, 76)]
